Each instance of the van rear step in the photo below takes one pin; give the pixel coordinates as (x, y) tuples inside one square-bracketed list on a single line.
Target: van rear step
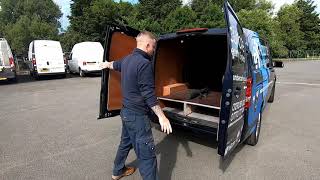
[(189, 103), (192, 118)]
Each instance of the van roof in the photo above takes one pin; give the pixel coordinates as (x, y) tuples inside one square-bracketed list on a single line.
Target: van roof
[(212, 31), (3, 39), (88, 42), (46, 42)]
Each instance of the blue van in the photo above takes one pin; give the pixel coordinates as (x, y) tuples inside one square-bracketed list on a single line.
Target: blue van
[(214, 81)]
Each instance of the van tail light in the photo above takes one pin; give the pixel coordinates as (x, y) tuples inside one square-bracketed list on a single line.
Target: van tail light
[(11, 61), (84, 63), (34, 62), (248, 93)]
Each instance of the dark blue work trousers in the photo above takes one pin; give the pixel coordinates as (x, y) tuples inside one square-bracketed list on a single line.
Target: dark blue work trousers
[(137, 134)]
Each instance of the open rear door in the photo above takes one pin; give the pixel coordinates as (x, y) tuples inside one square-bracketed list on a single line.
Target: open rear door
[(234, 86), (119, 42)]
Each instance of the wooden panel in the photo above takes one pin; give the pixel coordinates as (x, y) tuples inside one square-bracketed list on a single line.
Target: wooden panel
[(121, 46), (169, 69), (212, 99), (167, 90)]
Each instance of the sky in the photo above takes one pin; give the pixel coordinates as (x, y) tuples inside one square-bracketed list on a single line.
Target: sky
[(65, 8)]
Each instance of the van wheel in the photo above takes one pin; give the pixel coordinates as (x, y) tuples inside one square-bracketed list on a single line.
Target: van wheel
[(13, 80), (254, 137), (82, 73), (271, 98), (36, 76)]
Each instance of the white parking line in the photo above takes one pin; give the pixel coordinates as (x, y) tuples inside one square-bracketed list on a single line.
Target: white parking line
[(297, 83)]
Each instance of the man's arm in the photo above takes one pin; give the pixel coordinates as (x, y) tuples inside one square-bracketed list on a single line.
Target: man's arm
[(106, 65), (115, 65), (147, 89), (163, 120)]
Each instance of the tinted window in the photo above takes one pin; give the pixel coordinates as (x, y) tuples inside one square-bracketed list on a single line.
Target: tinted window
[(237, 47)]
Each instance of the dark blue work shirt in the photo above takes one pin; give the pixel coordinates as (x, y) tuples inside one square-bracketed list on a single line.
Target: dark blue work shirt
[(137, 81)]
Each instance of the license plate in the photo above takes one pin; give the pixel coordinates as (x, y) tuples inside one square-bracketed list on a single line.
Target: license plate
[(45, 70), (3, 79)]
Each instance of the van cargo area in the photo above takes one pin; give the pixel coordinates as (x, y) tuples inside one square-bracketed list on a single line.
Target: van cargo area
[(189, 75)]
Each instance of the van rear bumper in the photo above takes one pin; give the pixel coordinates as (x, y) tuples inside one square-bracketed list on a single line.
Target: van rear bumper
[(194, 124), (7, 73), (51, 74), (92, 71)]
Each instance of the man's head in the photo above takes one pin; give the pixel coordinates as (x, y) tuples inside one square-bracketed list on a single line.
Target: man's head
[(146, 41)]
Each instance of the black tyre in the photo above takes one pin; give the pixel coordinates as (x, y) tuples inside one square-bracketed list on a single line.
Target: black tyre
[(68, 70), (82, 73), (64, 75), (271, 98), (254, 137), (36, 76), (13, 80)]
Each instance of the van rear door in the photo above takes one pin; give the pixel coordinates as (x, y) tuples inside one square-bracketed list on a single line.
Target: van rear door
[(119, 42), (234, 86), (49, 57)]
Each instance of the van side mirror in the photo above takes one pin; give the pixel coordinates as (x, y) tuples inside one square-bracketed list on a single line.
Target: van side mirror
[(278, 64)]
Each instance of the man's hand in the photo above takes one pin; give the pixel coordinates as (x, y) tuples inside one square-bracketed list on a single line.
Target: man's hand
[(165, 125), (163, 120), (106, 65)]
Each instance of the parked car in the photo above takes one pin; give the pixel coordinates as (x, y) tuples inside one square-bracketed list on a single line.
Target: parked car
[(85, 58), (7, 64), (46, 58), (214, 81)]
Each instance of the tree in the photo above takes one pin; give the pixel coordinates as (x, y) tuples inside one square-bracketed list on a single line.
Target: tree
[(157, 10), (289, 19), (309, 24), (180, 18), (26, 20), (268, 28), (239, 5), (212, 16), (78, 8), (12, 10)]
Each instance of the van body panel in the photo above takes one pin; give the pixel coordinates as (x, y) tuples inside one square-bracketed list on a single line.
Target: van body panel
[(258, 80), (232, 114), (48, 57), (7, 66), (86, 56)]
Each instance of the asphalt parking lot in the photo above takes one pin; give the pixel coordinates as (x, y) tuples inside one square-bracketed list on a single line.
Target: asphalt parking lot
[(49, 130)]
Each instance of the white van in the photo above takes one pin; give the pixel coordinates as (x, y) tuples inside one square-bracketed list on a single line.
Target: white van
[(85, 58), (7, 66), (46, 58)]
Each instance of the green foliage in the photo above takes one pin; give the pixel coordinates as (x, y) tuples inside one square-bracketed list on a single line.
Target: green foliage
[(25, 20), (157, 10), (294, 27), (268, 28), (289, 19), (309, 24), (180, 18), (211, 16)]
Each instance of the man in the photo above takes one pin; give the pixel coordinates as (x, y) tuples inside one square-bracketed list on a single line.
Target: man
[(138, 90)]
